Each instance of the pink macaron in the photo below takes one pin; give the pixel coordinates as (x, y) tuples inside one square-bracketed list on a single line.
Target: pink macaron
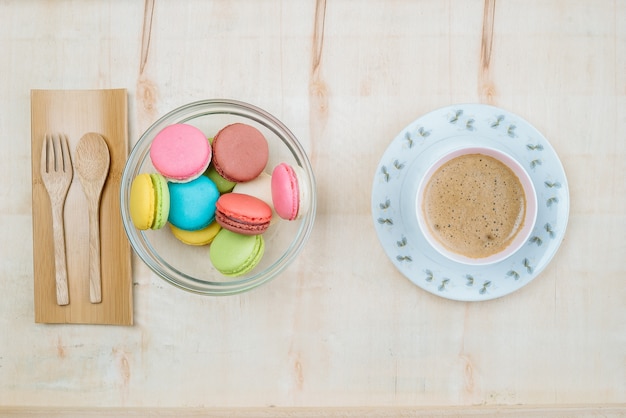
[(288, 192), (180, 152), (243, 213), (240, 152)]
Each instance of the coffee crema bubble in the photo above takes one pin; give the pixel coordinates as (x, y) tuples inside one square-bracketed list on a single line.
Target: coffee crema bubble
[(474, 205)]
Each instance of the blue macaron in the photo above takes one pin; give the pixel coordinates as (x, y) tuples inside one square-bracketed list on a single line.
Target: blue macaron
[(192, 204)]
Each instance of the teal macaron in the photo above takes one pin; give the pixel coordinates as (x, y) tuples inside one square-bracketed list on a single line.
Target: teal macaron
[(192, 204), (234, 254)]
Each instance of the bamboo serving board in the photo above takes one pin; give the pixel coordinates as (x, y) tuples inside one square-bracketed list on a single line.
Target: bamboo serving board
[(75, 113)]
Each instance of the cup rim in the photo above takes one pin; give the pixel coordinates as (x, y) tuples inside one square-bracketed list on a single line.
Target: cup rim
[(531, 205)]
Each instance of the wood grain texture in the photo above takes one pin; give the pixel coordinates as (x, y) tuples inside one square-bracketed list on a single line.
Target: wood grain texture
[(76, 114), (486, 88), (569, 411), (341, 327)]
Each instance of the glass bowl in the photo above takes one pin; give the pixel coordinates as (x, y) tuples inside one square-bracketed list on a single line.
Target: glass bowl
[(188, 267)]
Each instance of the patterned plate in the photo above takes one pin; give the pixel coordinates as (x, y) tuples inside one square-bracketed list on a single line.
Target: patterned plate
[(395, 187)]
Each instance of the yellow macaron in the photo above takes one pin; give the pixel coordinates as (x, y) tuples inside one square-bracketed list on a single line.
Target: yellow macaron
[(202, 236), (149, 201)]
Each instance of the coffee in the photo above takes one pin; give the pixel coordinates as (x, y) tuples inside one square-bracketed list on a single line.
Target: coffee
[(474, 205)]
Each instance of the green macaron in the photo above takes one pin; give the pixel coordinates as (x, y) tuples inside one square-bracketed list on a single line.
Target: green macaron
[(162, 200), (234, 254), (223, 185)]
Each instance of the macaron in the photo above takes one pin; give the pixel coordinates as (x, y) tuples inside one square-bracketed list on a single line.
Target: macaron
[(260, 187), (180, 152), (202, 236), (234, 254), (240, 152), (149, 201), (223, 185), (242, 213), (289, 195), (192, 204)]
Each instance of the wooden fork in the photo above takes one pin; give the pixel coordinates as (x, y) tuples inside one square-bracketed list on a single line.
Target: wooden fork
[(56, 173)]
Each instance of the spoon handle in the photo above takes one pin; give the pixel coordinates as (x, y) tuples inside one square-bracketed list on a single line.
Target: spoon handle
[(95, 286)]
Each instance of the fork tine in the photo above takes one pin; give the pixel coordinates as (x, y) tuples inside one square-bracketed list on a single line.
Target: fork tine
[(56, 144), (43, 164), (65, 155)]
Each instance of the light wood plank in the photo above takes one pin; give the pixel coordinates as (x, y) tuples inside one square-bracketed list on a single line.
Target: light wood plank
[(340, 327)]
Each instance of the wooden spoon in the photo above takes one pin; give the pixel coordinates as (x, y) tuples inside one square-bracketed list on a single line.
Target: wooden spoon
[(92, 166)]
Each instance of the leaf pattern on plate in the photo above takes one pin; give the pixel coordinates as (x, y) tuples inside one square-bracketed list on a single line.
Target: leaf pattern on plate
[(422, 132), (497, 122), (552, 184), (483, 288), (457, 115), (552, 201), (534, 147), (500, 123), (510, 131), (385, 173), (526, 264), (408, 139), (469, 125)]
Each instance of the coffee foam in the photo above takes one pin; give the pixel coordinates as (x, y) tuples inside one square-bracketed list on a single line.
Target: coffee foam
[(474, 205)]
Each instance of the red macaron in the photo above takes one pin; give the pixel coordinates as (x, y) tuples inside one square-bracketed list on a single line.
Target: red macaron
[(240, 152), (243, 213)]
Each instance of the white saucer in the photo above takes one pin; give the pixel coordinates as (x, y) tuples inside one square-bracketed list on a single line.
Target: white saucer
[(403, 164)]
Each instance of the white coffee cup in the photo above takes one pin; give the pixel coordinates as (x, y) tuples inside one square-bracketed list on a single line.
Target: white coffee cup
[(522, 233)]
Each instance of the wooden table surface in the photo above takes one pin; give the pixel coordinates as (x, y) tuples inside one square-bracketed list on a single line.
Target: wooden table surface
[(341, 327)]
